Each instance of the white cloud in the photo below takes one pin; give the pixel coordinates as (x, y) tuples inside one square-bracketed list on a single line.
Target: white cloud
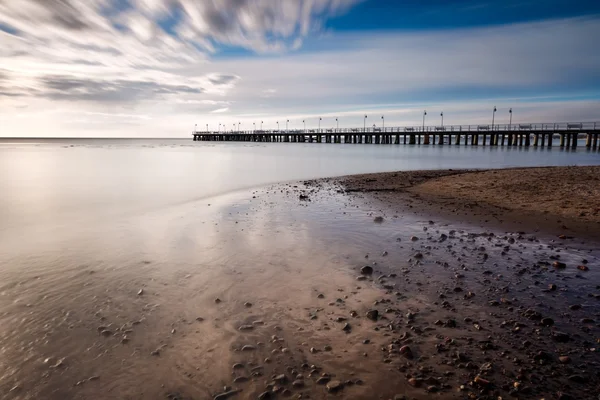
[(69, 55)]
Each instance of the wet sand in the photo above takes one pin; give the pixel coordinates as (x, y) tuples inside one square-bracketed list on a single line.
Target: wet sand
[(307, 291)]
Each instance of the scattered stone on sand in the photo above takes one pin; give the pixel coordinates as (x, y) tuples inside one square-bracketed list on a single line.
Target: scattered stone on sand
[(226, 395), (366, 270), (247, 304), (246, 327), (346, 327), (334, 386), (583, 268), (559, 265), (248, 347), (218, 300), (140, 292), (378, 219), (373, 315)]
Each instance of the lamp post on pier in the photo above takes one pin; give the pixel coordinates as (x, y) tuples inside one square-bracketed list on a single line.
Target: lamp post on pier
[(286, 125), (442, 115), (383, 122), (239, 123), (424, 114), (493, 117), (510, 119), (365, 124), (254, 124), (261, 122), (195, 127), (337, 125), (219, 130), (304, 122), (319, 130), (278, 125)]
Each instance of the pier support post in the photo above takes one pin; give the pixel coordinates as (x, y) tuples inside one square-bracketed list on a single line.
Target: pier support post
[(426, 140), (550, 139), (595, 141), (574, 140), (588, 140), (413, 138), (562, 140), (536, 139), (458, 139)]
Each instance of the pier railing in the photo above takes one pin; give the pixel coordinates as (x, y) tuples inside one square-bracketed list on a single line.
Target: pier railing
[(583, 127)]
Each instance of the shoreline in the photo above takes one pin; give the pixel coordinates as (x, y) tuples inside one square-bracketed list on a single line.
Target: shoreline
[(268, 292), (483, 196)]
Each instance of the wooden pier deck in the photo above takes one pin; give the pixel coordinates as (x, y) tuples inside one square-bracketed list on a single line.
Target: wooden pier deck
[(520, 135)]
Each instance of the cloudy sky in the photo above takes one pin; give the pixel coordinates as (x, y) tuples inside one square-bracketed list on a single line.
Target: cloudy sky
[(156, 68)]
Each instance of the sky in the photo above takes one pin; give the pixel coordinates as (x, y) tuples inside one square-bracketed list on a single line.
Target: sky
[(162, 68)]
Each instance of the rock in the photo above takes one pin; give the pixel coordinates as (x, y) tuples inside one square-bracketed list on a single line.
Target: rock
[(582, 268), (406, 352), (559, 265), (140, 292), (248, 347), (323, 380), (547, 321), (560, 337), (414, 238), (237, 366), (327, 348), (575, 307), (106, 333), (265, 396), (361, 278), (433, 389), (373, 315), (564, 359), (366, 270), (346, 327), (415, 382), (218, 300), (280, 378), (418, 256), (578, 378), (552, 287), (241, 379), (334, 386), (248, 304), (378, 219), (246, 327), (321, 296), (298, 383), (481, 382)]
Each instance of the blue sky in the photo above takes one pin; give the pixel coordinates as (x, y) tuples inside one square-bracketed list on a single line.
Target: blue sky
[(157, 67)]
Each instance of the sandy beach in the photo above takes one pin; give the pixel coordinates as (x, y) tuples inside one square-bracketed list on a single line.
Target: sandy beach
[(407, 285)]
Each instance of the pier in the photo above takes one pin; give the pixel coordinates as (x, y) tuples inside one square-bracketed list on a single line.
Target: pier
[(510, 135)]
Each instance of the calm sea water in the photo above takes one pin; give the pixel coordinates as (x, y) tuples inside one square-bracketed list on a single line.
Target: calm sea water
[(52, 181)]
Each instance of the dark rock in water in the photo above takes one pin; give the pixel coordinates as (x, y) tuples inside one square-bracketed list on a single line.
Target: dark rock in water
[(575, 307), (334, 386), (564, 359), (578, 378), (414, 238), (304, 197), (418, 256), (406, 352), (280, 378), (378, 219), (373, 315), (547, 321), (532, 314), (552, 287), (366, 270), (561, 337), (582, 268), (559, 265), (346, 327), (323, 380), (298, 383)]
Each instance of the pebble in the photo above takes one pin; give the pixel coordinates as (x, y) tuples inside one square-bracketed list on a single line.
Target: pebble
[(140, 292), (298, 383), (248, 304), (248, 347), (246, 327), (378, 219), (373, 315), (366, 270), (334, 386), (346, 327), (218, 300)]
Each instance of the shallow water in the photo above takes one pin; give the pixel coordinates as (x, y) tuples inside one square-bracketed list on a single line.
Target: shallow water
[(84, 228)]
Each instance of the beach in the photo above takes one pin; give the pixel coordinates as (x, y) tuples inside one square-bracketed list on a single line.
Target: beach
[(404, 285)]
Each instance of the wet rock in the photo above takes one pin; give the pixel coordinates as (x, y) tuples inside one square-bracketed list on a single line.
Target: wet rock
[(406, 352), (361, 278), (140, 292), (414, 238), (415, 382), (241, 379), (559, 265), (373, 315), (218, 300), (366, 270), (564, 359), (280, 378), (560, 337), (378, 219), (323, 380), (481, 382), (327, 348), (334, 386), (547, 321), (247, 304), (418, 256), (552, 287), (321, 296), (248, 347), (237, 366), (583, 268), (346, 327), (265, 396), (578, 378), (575, 307), (298, 383), (106, 333)]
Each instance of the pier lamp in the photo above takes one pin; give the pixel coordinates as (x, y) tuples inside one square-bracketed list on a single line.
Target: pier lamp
[(424, 114), (206, 128), (442, 115), (195, 127), (286, 125), (239, 123), (219, 130), (277, 125), (261, 122), (510, 119), (319, 124), (365, 124), (337, 125), (493, 117), (304, 122), (383, 122), (254, 124)]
